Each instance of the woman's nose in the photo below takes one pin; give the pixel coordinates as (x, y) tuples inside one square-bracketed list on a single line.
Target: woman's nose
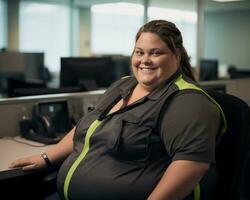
[(146, 59)]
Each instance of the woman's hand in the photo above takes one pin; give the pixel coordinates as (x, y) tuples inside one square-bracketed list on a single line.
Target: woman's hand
[(56, 155), (34, 162)]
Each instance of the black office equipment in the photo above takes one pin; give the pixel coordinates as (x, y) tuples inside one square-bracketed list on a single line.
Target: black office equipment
[(215, 88), (35, 90), (31, 65), (208, 69), (88, 73), (121, 66), (235, 73), (28, 67), (17, 87), (49, 123)]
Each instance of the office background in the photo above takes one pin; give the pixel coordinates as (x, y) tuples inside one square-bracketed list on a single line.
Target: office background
[(216, 33), (63, 28)]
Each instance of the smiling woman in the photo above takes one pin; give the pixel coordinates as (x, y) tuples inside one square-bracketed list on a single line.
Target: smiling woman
[(140, 141), (159, 47), (152, 61)]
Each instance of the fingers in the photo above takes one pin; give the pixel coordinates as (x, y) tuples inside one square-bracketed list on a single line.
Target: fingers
[(29, 167), (20, 163), (34, 162), (26, 166)]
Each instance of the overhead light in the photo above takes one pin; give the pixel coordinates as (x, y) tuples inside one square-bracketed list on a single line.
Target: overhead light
[(119, 8), (172, 14), (227, 0)]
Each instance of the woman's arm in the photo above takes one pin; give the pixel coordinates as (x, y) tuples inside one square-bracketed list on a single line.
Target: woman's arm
[(179, 180), (56, 154)]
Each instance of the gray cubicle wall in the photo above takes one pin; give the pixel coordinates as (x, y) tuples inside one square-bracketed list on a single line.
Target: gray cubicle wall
[(13, 109), (236, 87)]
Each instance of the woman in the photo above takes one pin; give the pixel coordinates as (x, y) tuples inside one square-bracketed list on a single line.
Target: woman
[(151, 136)]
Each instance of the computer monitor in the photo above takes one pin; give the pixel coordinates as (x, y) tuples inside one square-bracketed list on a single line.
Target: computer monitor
[(208, 69), (122, 66), (236, 73), (31, 64), (34, 67), (21, 66), (89, 73)]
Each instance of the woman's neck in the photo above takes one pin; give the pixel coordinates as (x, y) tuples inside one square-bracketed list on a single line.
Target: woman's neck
[(138, 93)]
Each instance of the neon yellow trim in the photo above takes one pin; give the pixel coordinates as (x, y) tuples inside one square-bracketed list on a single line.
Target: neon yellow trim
[(183, 85), (197, 192), (84, 152)]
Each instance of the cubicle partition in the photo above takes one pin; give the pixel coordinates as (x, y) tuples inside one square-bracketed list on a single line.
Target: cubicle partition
[(236, 87), (32, 185)]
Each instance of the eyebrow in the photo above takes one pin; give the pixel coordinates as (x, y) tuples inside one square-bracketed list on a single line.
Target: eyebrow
[(153, 49)]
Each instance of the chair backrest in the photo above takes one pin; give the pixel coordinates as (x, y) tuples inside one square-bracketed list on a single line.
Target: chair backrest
[(233, 150)]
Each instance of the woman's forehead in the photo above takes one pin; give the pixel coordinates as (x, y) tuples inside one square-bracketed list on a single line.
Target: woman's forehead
[(151, 40)]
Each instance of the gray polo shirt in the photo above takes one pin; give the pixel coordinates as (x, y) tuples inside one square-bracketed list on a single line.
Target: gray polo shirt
[(128, 151)]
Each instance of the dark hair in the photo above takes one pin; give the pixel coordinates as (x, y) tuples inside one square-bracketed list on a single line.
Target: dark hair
[(171, 35)]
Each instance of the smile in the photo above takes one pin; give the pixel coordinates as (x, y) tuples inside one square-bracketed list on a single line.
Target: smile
[(147, 69)]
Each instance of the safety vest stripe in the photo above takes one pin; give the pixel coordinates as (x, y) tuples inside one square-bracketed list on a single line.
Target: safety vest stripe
[(84, 152), (183, 85), (197, 192)]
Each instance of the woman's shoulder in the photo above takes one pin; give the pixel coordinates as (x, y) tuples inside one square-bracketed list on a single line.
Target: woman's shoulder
[(192, 100), (124, 81), (115, 87)]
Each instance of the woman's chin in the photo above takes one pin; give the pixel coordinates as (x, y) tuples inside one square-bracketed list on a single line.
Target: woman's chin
[(148, 84)]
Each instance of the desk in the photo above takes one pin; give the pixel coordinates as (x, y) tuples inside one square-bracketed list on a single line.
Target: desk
[(11, 150), (13, 182)]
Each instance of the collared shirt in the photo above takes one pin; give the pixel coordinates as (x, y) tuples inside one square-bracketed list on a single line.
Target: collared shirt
[(132, 147)]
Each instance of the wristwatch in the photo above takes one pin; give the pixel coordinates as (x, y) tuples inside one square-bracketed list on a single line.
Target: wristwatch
[(46, 159)]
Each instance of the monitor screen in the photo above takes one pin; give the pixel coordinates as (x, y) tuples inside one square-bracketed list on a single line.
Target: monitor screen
[(236, 73), (34, 67), (89, 73), (29, 64), (122, 66), (208, 69), (58, 115), (19, 66)]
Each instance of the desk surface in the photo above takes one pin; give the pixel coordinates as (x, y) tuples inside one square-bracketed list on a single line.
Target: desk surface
[(11, 149)]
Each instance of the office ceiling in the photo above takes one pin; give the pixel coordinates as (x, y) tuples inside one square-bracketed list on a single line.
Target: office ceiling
[(227, 6), (180, 4)]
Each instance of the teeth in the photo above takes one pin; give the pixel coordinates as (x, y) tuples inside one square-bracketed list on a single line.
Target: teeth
[(147, 69)]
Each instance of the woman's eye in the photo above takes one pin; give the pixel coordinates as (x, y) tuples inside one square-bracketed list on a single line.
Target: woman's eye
[(156, 53), (138, 53)]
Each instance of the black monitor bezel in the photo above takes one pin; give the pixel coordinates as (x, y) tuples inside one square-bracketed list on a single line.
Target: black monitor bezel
[(76, 70)]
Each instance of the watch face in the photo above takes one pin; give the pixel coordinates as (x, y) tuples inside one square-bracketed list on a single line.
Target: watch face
[(45, 157)]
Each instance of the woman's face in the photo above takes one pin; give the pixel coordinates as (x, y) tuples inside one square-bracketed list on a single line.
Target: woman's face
[(152, 61)]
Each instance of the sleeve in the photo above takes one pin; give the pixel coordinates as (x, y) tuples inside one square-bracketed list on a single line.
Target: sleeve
[(188, 127)]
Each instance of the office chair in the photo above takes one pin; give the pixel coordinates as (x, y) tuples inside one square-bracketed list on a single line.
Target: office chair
[(232, 153)]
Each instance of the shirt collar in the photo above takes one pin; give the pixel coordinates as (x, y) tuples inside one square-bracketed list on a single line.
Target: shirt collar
[(125, 90), (158, 92)]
